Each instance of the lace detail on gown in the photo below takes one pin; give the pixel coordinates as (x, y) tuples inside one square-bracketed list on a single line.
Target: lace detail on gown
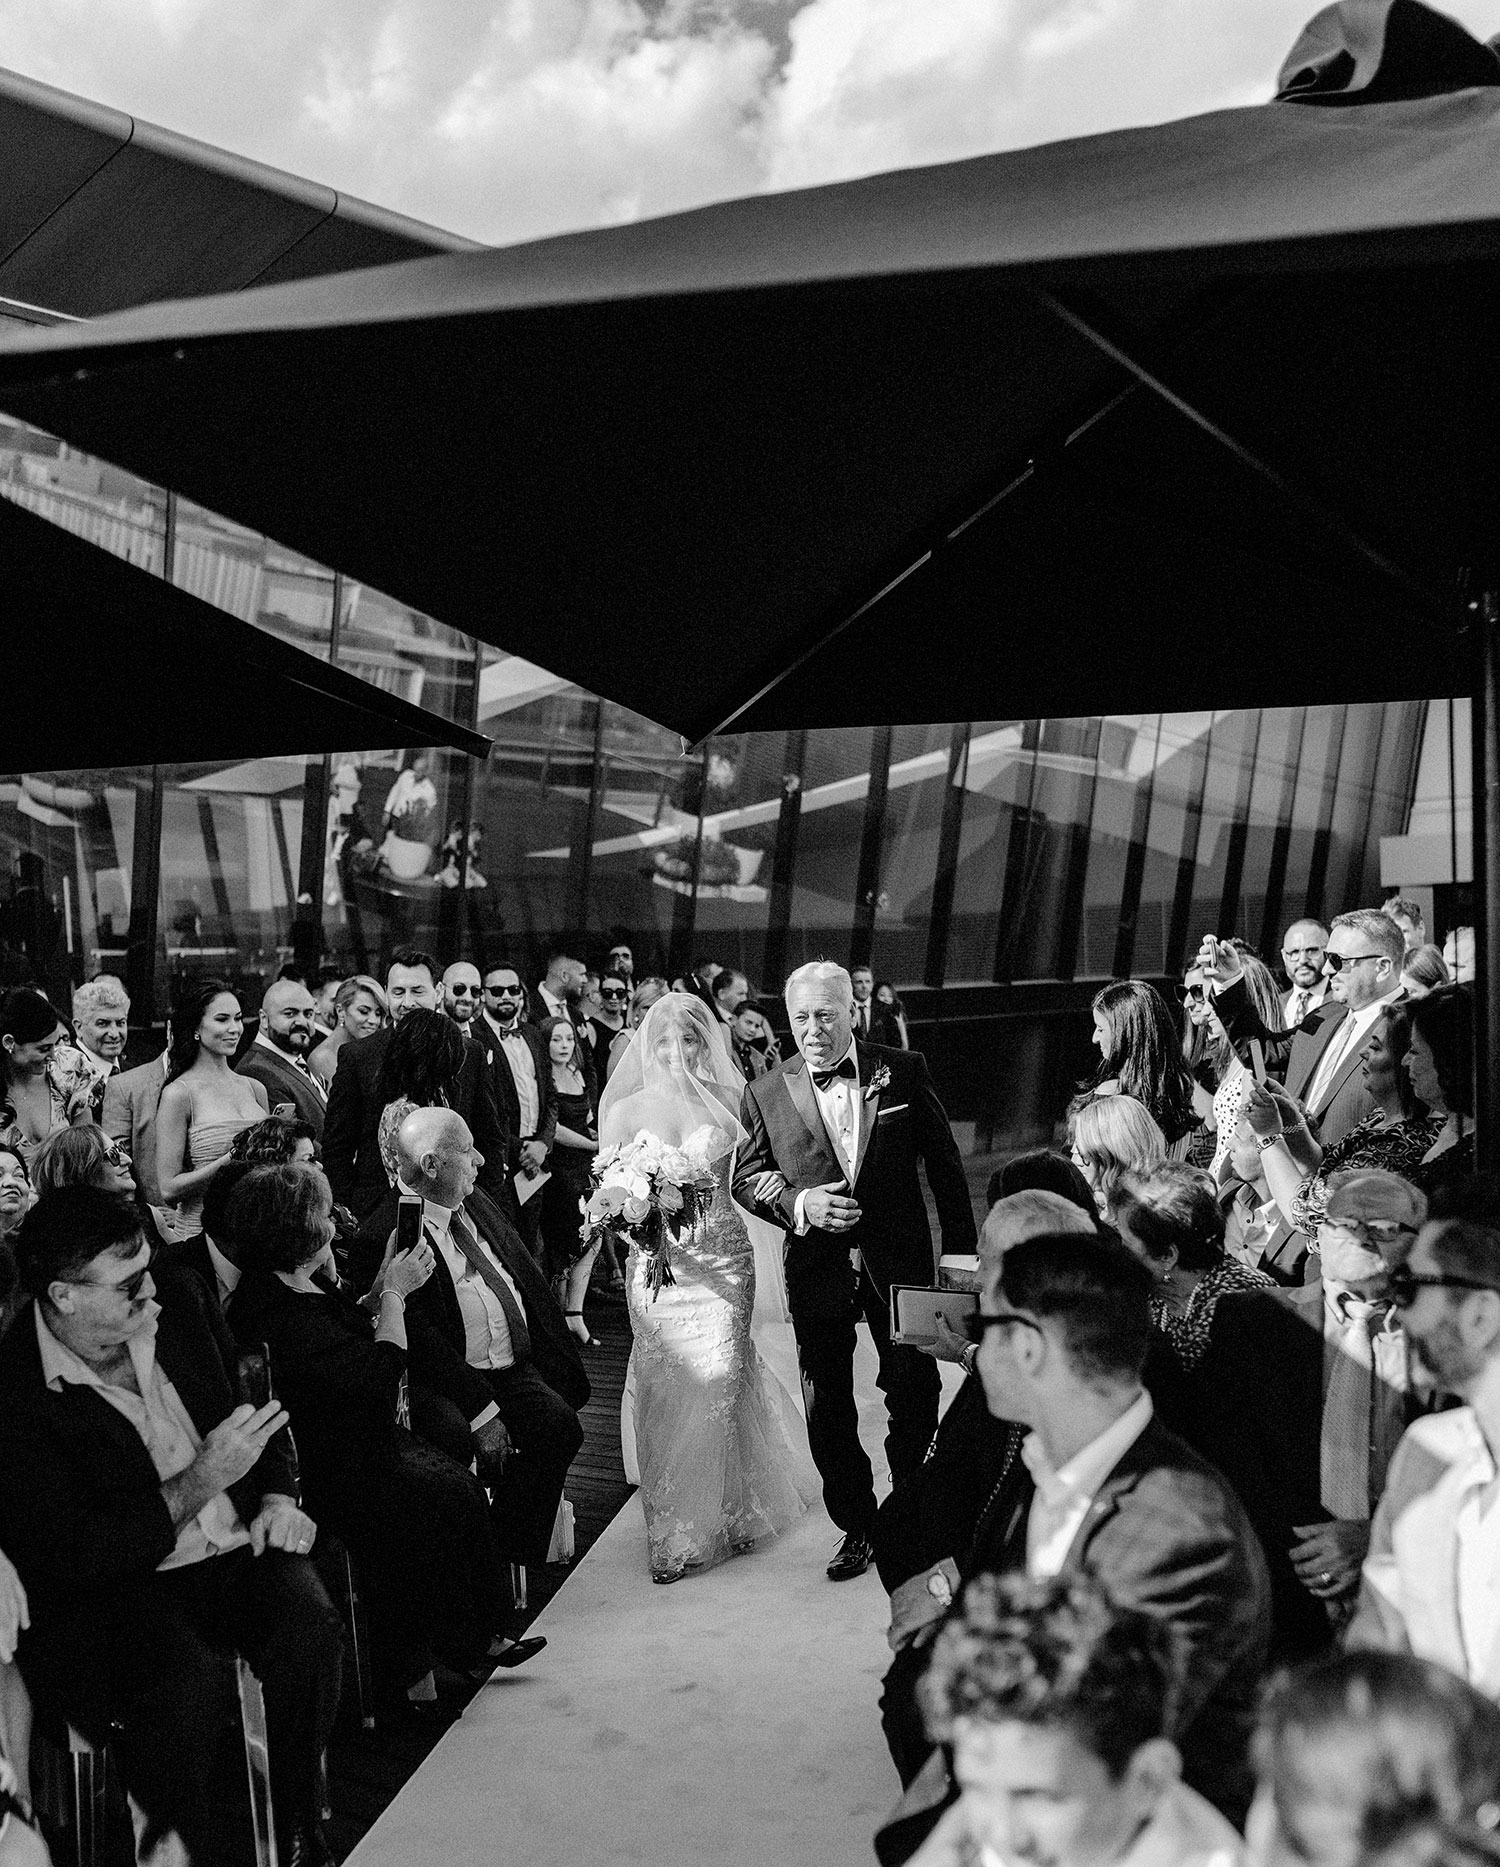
[(721, 1449)]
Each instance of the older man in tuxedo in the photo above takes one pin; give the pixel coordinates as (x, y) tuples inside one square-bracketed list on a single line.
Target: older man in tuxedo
[(835, 1137)]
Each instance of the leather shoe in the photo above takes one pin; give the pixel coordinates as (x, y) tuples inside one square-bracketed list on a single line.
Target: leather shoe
[(517, 1652), (854, 1556)]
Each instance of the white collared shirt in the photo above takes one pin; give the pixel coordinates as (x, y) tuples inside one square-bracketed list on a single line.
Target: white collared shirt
[(98, 1068), (487, 1342), (839, 1105), (1185, 1830), (1346, 1040), (299, 1064), (523, 1075), (1063, 1497), (1477, 1557), (1311, 996), (166, 1429)]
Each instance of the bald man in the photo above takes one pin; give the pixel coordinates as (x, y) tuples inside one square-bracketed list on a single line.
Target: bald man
[(278, 1056)]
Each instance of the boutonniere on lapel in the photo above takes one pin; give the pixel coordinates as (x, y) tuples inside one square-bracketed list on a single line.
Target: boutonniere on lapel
[(880, 1080)]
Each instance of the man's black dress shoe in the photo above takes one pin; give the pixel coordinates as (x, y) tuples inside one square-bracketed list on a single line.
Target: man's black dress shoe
[(854, 1556), (517, 1652)]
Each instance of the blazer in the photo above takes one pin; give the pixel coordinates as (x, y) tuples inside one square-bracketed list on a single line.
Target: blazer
[(787, 1150), (284, 1082), (131, 1098), (554, 1349), (504, 1083), (351, 1126)]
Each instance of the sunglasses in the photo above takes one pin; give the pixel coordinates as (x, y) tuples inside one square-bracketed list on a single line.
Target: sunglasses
[(1189, 994), (464, 991), (1406, 1285), (504, 991), (613, 991), (1336, 962), (130, 1289), (977, 1325)]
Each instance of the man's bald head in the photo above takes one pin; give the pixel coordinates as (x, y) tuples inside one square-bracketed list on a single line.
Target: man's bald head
[(461, 992), (286, 1016), (437, 1157), (1032, 1213)]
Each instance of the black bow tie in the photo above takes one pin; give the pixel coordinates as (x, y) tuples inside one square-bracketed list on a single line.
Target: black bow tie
[(822, 1078)]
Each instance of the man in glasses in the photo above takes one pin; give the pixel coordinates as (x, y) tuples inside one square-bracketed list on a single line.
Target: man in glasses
[(462, 994), (1432, 1578), (1305, 1395), (521, 1072), (152, 1516), (1304, 946)]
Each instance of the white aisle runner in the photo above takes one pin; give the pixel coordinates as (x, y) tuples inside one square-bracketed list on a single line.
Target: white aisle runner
[(730, 1717)]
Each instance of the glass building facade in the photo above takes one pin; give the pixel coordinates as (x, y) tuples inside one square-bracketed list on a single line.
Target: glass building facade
[(995, 871)]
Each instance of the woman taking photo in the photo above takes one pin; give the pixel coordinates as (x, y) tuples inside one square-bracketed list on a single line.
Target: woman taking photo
[(571, 1166), (359, 1010), (204, 1104), (35, 1101)]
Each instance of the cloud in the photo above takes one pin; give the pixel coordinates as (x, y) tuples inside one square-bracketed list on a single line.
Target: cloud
[(506, 119)]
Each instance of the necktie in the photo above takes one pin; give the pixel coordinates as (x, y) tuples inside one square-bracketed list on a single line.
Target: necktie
[(822, 1078), (1332, 1063), (861, 1021), (461, 1234), (1297, 1010), (1349, 1419)]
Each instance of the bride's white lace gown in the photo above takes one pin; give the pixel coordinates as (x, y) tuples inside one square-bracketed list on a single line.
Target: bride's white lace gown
[(722, 1451)]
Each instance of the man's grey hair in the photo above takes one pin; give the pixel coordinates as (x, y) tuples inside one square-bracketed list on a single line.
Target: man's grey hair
[(425, 1131), (106, 993), (1376, 926), (1031, 1213), (821, 972)]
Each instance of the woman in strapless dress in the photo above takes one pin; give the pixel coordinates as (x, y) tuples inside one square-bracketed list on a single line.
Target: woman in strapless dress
[(204, 1104)]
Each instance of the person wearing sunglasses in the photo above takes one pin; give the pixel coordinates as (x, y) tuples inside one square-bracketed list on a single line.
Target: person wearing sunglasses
[(613, 1009), (521, 1075), (1432, 1578), (462, 994)]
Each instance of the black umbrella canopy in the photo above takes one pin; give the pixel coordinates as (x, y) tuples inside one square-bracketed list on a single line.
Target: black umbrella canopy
[(1178, 417), (107, 665)]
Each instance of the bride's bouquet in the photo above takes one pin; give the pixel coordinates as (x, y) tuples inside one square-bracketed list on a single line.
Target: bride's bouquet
[(648, 1192)]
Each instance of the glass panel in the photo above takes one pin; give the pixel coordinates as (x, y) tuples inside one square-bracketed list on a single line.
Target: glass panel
[(908, 851), (835, 783), (248, 575), (66, 847), (1270, 788), (97, 502), (1226, 800), (999, 784), (1181, 752), (1127, 759), (741, 804), (1057, 849), (1312, 801)]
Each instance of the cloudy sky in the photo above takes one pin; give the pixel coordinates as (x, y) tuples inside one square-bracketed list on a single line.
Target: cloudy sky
[(504, 119)]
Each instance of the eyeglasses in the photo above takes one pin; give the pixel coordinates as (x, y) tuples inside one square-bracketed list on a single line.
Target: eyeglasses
[(1338, 961), (130, 1289), (1302, 952), (1369, 1231), (1405, 1285), (977, 1325)]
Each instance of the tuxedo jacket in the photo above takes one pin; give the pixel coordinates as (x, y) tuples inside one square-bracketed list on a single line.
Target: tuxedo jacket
[(787, 1150), (131, 1099), (284, 1082), (503, 1081), (351, 1126), (554, 1349)]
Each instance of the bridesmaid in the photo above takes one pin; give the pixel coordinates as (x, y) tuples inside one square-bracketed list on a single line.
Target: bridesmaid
[(571, 1166), (204, 1104)]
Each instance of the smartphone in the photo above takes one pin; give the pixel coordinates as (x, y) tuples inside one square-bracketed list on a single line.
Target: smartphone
[(408, 1222), (255, 1376), (1258, 1059)]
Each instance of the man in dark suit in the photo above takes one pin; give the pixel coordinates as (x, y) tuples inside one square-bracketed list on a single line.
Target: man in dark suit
[(873, 1024), (351, 1128), (1304, 1395), (278, 1056), (831, 1156), (560, 995), (152, 1516), (521, 1072), (491, 1303)]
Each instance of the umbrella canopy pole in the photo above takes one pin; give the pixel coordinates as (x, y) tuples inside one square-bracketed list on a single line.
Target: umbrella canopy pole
[(1486, 763)]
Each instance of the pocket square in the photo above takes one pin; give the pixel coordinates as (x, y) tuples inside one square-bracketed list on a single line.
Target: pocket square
[(896, 1108)]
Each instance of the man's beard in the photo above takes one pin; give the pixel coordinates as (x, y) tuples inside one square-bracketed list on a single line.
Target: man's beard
[(1444, 1357), (298, 1041)]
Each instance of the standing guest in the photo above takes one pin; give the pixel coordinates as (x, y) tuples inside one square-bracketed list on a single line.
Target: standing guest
[(1140, 1056), (462, 994), (152, 1516), (520, 1068), (1432, 1578), (1303, 1396), (1375, 1758), (729, 991), (1441, 1061), (873, 1023), (1424, 970), (101, 1022), (358, 1011), (621, 962), (325, 1002), (835, 1136), (613, 1012), (560, 992), (131, 1100), (32, 1104), (754, 1044), (1170, 1218), (1058, 1707), (278, 1058), (642, 998), (887, 1000), (575, 1143), (1407, 915), (1253, 992), (204, 1104), (363, 1088), (1111, 1136), (1304, 946)]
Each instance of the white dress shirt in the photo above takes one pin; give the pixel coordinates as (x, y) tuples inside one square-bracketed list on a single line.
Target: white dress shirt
[(487, 1342), (839, 1105), (1062, 1498), (1185, 1830), (1300, 1001), (1478, 1555), (1352, 1032), (166, 1429), (523, 1075)]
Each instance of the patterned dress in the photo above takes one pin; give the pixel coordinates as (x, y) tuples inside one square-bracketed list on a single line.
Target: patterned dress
[(1187, 1329), (1396, 1149), (714, 1436)]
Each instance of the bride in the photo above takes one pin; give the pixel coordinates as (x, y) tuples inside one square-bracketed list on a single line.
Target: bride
[(721, 1447)]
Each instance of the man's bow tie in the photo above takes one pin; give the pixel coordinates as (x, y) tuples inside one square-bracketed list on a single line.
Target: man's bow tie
[(822, 1078)]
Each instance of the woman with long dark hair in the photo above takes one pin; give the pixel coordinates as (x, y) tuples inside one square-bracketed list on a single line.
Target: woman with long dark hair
[(1441, 1060), (569, 1262), (1140, 1056), (204, 1104), (38, 1099)]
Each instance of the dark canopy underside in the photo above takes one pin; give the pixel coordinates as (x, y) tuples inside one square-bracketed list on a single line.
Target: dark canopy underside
[(106, 665), (669, 460)]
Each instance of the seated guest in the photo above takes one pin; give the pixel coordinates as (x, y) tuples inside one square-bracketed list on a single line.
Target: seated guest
[(416, 1521), (488, 1298), (1112, 1136), (32, 1104), (1170, 1218), (153, 1521), (1424, 970), (1257, 1234), (1441, 1061), (278, 1141), (1303, 1395), (82, 1157), (1376, 1758), (1057, 1706), (212, 1255)]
